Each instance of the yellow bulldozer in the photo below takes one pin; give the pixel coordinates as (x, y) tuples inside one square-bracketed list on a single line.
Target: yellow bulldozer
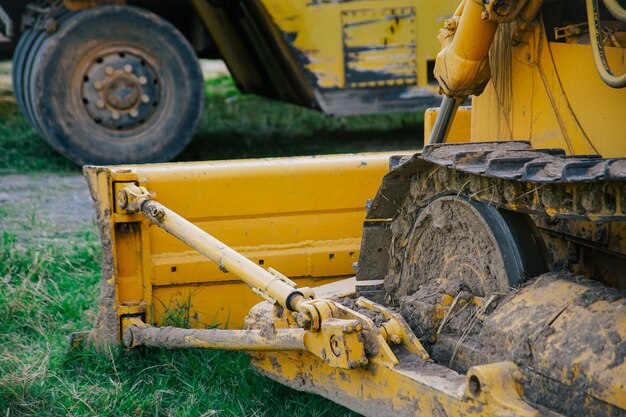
[(489, 266), (118, 81)]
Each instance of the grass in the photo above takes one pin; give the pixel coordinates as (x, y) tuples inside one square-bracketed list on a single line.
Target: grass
[(47, 293), (234, 126)]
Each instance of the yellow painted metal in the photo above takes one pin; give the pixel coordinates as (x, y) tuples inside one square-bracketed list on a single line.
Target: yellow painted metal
[(268, 283), (85, 4), (385, 43), (544, 91), (395, 385), (461, 126), (302, 216), (137, 333), (462, 67)]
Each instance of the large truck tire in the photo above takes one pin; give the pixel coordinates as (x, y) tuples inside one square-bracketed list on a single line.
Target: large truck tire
[(112, 85)]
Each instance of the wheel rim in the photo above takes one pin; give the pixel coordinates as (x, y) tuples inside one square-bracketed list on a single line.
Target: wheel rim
[(458, 240), (461, 249), (119, 88)]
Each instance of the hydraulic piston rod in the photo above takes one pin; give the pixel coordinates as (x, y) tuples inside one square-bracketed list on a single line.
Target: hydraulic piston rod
[(138, 333), (269, 283)]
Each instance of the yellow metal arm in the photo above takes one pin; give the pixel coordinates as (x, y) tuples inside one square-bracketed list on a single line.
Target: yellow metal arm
[(270, 284), (462, 66), (138, 333)]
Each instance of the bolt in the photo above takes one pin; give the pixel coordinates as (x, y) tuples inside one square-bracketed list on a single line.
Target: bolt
[(100, 104), (145, 99), (353, 364), (484, 15), (364, 361), (128, 68), (347, 328), (302, 320), (115, 115), (134, 113), (122, 199), (157, 213), (358, 327), (334, 346), (518, 376), (395, 339), (143, 80), (97, 85), (109, 70)]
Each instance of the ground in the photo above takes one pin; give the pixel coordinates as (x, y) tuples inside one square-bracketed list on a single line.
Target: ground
[(49, 267)]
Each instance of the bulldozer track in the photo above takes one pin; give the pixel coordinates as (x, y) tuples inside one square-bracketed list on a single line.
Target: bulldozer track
[(431, 235), (509, 175)]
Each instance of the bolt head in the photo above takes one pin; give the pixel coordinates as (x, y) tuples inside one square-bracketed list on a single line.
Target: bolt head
[(134, 113), (145, 99), (484, 15), (115, 115), (122, 199), (128, 68), (109, 70), (143, 80), (100, 104), (97, 85)]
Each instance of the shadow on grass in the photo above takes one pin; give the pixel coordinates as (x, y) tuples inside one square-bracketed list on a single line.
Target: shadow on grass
[(234, 126)]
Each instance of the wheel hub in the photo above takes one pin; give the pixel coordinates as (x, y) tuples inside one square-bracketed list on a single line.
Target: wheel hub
[(120, 90)]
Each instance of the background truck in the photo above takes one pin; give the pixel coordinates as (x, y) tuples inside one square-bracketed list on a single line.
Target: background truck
[(119, 82)]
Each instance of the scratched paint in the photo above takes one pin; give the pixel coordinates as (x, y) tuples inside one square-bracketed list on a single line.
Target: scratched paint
[(379, 45), (359, 44)]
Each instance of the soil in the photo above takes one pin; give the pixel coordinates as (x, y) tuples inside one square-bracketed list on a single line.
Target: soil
[(42, 210)]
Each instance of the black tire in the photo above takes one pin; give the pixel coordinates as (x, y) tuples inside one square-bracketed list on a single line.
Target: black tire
[(17, 73), (71, 63)]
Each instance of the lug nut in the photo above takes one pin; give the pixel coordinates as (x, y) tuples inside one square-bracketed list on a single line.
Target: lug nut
[(109, 70), (100, 104), (128, 68), (115, 115), (134, 113), (97, 85), (143, 80), (145, 99)]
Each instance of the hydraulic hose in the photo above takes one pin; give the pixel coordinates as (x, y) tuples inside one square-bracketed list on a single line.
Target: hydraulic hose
[(599, 56), (616, 10)]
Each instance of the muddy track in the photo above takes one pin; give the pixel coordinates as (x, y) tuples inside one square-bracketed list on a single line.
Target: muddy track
[(46, 209)]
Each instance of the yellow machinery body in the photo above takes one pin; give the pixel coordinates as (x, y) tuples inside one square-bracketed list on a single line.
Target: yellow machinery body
[(474, 243), (302, 216), (344, 58)]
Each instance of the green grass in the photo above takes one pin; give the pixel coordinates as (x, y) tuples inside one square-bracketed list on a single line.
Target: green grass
[(47, 293), (234, 126)]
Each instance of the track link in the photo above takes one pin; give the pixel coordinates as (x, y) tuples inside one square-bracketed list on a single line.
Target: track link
[(509, 175)]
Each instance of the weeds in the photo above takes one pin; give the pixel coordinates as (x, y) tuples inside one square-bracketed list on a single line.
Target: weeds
[(46, 294)]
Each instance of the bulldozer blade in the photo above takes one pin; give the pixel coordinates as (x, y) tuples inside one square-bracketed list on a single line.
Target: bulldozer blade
[(302, 216)]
